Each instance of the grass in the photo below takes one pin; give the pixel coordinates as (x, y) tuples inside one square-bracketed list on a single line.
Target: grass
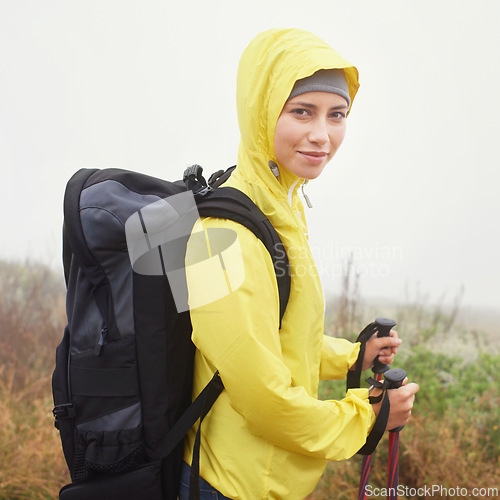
[(31, 322), (449, 452), (453, 438), (453, 443), (32, 463)]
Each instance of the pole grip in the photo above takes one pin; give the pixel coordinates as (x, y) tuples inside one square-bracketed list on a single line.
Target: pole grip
[(384, 326), (395, 378)]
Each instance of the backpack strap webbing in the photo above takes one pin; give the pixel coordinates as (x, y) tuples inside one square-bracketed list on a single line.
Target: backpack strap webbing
[(198, 409)]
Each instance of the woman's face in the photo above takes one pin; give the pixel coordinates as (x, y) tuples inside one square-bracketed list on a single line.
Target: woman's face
[(309, 131)]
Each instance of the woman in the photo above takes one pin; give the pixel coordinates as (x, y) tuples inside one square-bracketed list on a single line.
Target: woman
[(268, 436)]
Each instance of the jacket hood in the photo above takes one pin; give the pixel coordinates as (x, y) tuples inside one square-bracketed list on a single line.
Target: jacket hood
[(270, 406), (268, 70)]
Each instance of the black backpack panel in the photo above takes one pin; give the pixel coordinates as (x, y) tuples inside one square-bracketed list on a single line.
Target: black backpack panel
[(123, 377)]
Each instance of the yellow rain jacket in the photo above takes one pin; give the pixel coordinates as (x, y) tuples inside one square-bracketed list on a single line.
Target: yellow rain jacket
[(268, 436)]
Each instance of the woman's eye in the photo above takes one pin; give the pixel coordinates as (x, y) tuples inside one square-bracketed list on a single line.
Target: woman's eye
[(338, 115), (300, 112)]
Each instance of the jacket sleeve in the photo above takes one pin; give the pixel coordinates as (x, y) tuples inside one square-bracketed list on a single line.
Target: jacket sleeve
[(234, 312), (337, 356)]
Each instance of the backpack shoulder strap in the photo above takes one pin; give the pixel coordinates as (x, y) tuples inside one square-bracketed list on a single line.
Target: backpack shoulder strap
[(230, 203)]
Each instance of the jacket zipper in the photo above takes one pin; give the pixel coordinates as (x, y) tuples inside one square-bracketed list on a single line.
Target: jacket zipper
[(308, 201)]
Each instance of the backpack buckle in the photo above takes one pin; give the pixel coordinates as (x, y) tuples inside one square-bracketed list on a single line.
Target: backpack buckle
[(194, 179), (66, 410)]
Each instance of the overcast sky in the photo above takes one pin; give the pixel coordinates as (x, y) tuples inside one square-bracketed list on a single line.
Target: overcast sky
[(150, 86)]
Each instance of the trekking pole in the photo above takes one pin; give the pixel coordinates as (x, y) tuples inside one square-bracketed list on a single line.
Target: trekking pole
[(395, 378), (384, 326)]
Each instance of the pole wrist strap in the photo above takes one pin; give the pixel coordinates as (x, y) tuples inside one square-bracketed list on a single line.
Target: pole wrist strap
[(381, 422), (354, 376)]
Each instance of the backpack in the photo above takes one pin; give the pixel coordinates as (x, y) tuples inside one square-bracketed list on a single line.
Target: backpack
[(123, 376)]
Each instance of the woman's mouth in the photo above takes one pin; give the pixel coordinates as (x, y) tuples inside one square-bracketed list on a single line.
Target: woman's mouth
[(314, 157)]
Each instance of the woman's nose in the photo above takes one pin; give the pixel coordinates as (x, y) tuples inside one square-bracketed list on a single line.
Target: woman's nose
[(318, 133)]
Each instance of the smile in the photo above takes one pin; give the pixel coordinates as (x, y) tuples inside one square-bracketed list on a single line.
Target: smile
[(314, 157)]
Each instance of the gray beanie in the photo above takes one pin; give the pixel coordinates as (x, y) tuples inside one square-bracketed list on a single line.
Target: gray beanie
[(324, 80)]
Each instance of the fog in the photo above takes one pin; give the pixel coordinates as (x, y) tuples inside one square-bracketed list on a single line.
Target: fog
[(411, 198)]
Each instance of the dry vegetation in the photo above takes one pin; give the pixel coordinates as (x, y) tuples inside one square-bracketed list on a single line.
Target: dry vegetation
[(453, 443), (453, 439), (31, 322)]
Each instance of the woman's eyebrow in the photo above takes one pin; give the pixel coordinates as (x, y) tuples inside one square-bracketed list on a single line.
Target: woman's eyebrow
[(304, 105), (313, 106)]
